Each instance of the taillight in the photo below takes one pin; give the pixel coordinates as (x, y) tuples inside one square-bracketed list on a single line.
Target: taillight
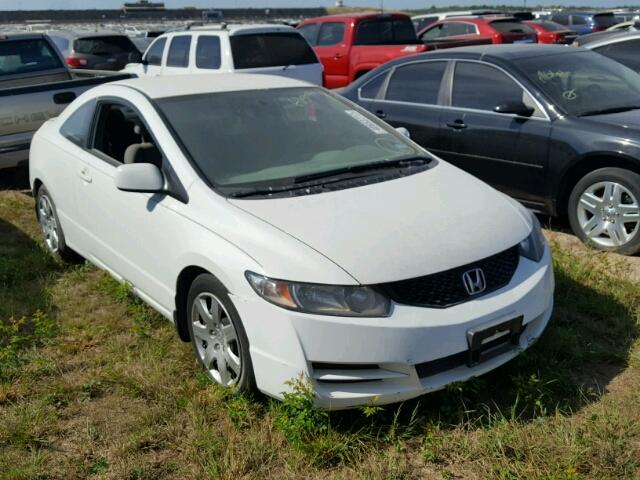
[(75, 62), (598, 28), (560, 38), (497, 38)]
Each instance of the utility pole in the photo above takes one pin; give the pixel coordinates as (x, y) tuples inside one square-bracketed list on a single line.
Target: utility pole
[(381, 6)]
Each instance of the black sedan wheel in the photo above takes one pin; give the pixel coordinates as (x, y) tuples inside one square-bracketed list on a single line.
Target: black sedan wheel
[(604, 210)]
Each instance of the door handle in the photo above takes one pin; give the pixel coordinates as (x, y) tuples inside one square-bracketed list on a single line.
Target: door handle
[(457, 124), (337, 56), (84, 174), (62, 98), (380, 114)]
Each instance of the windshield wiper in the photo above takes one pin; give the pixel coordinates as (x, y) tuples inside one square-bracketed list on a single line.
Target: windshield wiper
[(380, 165), (250, 192), (604, 111)]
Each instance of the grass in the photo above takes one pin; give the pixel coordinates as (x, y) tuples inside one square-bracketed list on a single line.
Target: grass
[(93, 384)]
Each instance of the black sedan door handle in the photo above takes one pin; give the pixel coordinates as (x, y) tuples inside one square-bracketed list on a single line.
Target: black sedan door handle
[(380, 114), (457, 124)]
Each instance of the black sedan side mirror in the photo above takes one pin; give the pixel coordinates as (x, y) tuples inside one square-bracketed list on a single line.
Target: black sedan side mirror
[(514, 108)]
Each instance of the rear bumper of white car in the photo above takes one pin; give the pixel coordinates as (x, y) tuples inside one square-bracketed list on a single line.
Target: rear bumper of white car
[(360, 361)]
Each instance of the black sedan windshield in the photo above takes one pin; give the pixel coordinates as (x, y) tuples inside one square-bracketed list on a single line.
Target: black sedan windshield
[(271, 136), (584, 83)]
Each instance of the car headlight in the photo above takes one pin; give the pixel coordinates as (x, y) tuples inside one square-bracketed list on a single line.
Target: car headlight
[(533, 246), (336, 300)]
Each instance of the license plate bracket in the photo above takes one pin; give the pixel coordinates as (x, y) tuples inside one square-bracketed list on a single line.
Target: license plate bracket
[(488, 342)]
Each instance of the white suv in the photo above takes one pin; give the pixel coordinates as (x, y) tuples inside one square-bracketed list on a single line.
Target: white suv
[(269, 49)]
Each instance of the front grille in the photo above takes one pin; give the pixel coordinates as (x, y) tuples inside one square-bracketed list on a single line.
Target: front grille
[(445, 289)]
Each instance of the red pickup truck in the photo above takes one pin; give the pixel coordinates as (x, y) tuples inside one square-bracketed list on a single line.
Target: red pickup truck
[(350, 45)]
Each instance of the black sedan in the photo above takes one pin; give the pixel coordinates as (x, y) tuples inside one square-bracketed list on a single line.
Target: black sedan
[(557, 128)]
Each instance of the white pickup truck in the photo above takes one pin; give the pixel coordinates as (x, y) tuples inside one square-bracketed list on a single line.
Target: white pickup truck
[(222, 48)]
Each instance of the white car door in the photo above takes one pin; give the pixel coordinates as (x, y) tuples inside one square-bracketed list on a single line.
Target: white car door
[(132, 235)]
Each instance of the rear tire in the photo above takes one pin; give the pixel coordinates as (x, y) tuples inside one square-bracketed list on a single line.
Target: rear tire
[(54, 238), (218, 337), (604, 210)]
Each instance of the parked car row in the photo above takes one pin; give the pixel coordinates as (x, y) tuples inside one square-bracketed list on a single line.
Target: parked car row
[(351, 236)]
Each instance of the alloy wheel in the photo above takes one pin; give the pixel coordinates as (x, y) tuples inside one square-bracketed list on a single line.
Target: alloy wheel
[(216, 340), (609, 214), (48, 223)]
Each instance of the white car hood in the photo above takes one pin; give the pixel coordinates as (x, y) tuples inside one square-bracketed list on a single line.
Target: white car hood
[(399, 229)]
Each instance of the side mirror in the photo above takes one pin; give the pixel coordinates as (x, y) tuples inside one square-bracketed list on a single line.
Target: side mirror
[(403, 131), (139, 177), (514, 108)]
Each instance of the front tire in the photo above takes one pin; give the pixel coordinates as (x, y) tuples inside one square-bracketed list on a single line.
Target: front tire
[(53, 235), (604, 210), (218, 337)]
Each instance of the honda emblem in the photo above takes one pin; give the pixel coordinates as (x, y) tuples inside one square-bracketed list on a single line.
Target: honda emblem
[(474, 281)]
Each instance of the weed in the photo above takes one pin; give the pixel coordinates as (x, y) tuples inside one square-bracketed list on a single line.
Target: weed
[(99, 465), (297, 417)]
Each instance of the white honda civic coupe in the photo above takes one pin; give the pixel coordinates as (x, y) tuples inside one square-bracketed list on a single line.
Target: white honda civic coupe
[(287, 232)]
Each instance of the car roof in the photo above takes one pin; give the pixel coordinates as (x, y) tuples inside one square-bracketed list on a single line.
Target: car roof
[(584, 14), (84, 34), (604, 38), (354, 16), (232, 28), (480, 19), (20, 36), (159, 87), (506, 52)]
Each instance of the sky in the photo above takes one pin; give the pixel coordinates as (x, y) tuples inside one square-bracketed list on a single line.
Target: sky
[(389, 4)]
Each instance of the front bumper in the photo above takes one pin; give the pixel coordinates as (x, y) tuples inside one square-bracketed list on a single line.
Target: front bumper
[(384, 352)]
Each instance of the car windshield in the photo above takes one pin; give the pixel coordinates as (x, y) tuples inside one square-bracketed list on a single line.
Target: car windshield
[(24, 56), (271, 137), (584, 83), (104, 45)]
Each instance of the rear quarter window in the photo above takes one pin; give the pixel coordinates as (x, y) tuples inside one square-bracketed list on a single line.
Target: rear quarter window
[(76, 128), (386, 31), (277, 49), (26, 56)]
